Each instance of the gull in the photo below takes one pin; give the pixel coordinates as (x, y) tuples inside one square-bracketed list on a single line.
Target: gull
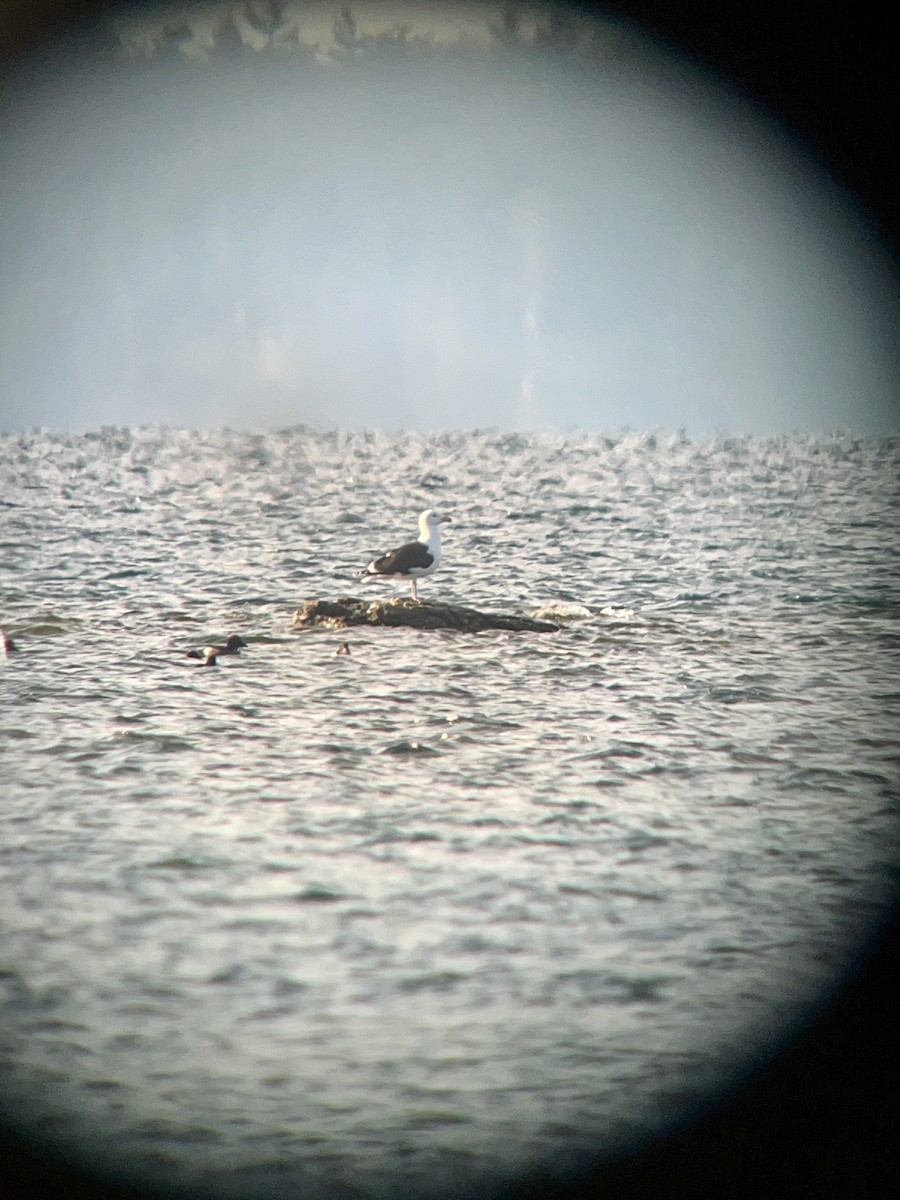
[(415, 560)]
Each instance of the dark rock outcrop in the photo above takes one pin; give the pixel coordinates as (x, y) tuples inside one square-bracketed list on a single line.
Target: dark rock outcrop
[(347, 610)]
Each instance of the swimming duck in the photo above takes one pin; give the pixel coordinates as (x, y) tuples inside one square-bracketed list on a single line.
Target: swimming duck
[(231, 646)]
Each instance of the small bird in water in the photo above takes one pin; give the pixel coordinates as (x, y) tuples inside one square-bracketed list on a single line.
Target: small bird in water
[(8, 644), (343, 648), (231, 646), (416, 559)]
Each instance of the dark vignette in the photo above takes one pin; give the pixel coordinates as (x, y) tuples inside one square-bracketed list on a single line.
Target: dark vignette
[(823, 1120)]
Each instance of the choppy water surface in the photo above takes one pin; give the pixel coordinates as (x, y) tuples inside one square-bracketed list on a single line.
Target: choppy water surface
[(455, 905)]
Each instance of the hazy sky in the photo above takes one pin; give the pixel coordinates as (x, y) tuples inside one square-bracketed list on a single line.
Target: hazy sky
[(267, 214)]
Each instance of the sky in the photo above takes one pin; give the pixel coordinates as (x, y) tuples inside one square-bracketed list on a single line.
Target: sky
[(421, 216)]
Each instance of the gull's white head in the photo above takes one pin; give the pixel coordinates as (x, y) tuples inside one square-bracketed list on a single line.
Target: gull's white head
[(430, 522)]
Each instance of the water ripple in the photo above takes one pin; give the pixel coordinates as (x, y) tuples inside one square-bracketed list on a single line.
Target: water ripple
[(364, 917)]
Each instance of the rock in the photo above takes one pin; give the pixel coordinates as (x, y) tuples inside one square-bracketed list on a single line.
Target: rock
[(400, 611)]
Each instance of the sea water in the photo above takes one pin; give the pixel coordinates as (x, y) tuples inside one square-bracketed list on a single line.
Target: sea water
[(423, 918)]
